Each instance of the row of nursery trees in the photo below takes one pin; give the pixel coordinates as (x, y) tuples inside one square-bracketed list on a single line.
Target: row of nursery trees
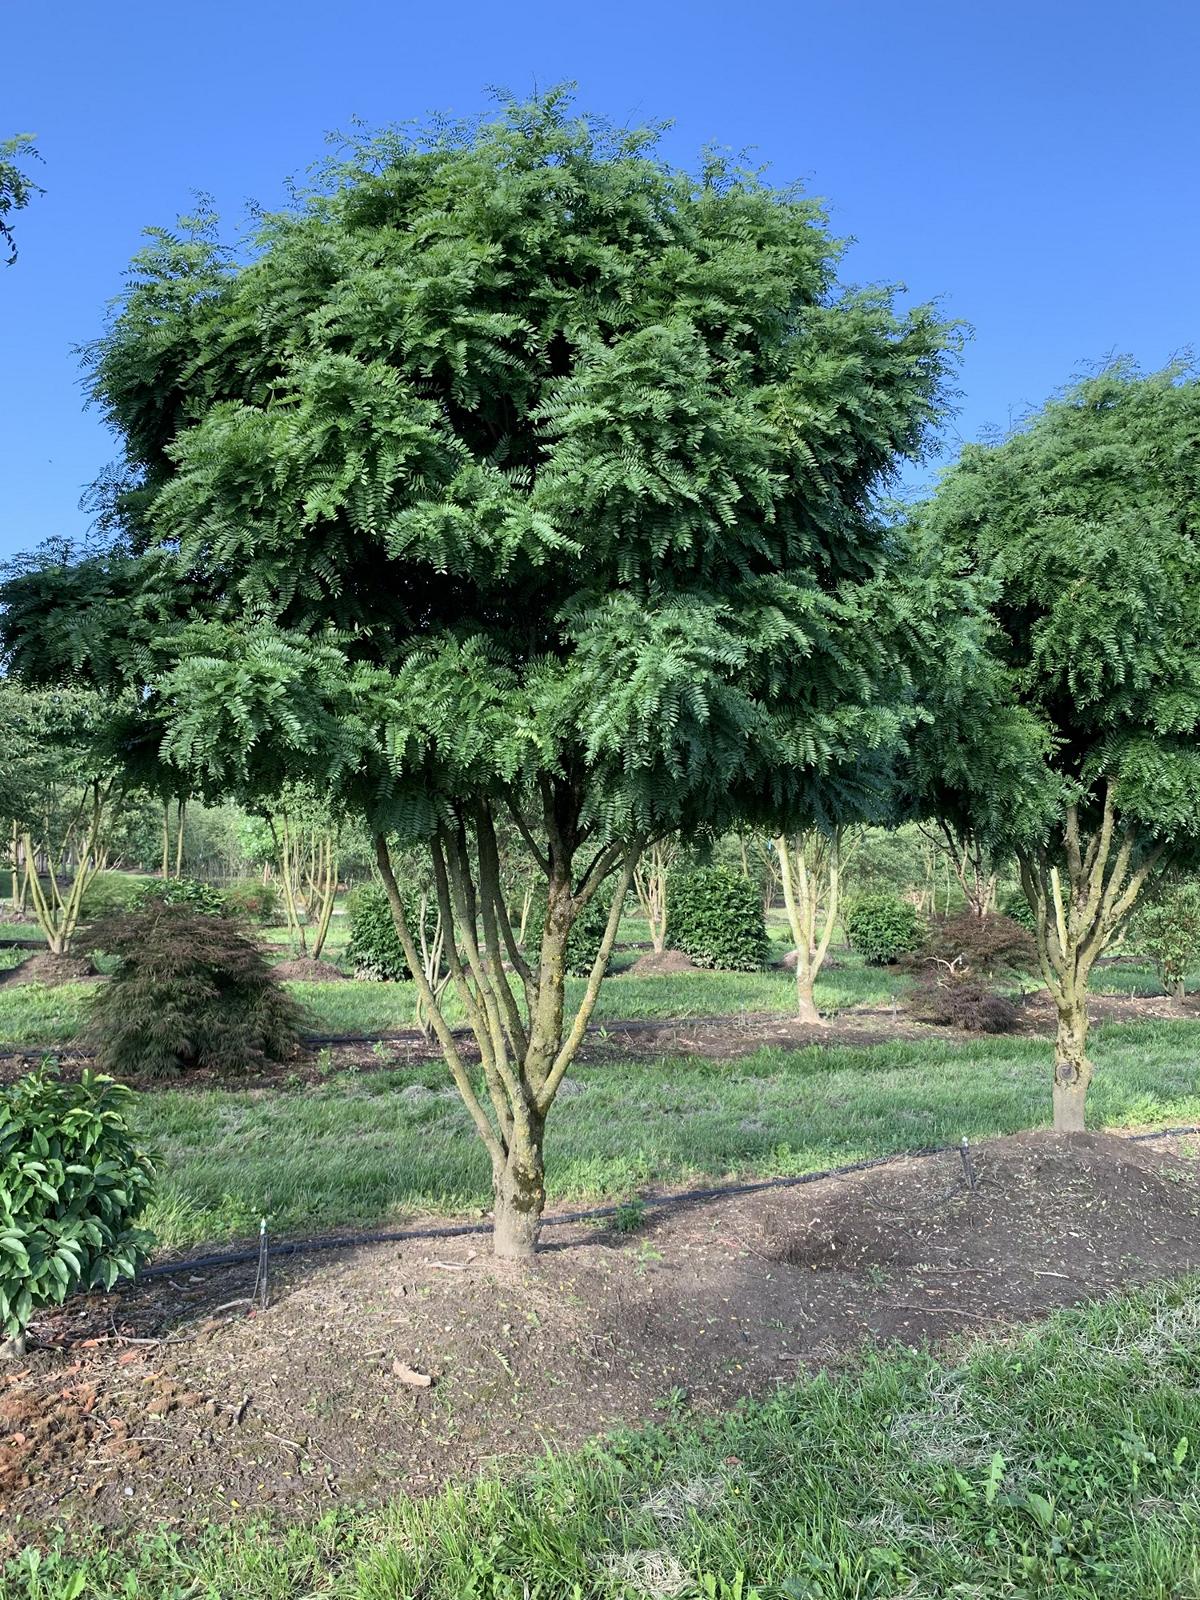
[(518, 480)]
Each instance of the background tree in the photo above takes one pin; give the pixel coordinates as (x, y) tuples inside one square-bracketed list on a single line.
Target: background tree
[(810, 863), (515, 473), (1075, 742), (60, 783), (17, 188)]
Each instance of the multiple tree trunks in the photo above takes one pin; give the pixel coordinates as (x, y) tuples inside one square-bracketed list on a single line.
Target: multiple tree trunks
[(514, 1003)]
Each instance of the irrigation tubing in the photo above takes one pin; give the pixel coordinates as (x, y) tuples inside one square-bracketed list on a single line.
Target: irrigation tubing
[(292, 1247)]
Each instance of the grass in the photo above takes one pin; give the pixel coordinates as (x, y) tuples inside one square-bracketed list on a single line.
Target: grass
[(357, 1150), (33, 1015), (1059, 1462)]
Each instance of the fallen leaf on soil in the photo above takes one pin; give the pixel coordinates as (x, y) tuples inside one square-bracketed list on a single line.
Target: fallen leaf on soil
[(407, 1374)]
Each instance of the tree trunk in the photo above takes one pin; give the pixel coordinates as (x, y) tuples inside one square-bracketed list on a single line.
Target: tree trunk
[(1072, 1069), (806, 1005), (520, 1191)]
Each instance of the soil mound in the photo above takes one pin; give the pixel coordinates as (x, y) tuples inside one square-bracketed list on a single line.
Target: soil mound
[(51, 970), (661, 963), (306, 969), (305, 1404)]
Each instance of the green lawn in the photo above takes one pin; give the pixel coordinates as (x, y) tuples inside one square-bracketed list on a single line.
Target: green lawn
[(362, 1149), (1061, 1463)]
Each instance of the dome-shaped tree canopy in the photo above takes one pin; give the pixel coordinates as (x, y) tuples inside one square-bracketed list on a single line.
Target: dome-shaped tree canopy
[(511, 467)]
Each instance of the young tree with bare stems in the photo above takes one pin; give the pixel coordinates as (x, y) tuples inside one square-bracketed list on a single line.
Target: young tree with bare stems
[(1077, 743), (515, 477), (650, 884), (810, 864)]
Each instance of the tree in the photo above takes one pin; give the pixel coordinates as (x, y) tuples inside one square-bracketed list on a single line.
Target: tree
[(513, 474), (17, 188), (811, 870), (650, 885), (60, 783), (1074, 740)]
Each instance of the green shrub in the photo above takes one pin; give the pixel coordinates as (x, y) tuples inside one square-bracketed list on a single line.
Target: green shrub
[(715, 916), (189, 991), (882, 928), (1018, 908), (585, 937), (1168, 930), (374, 950), (251, 899), (201, 897), (107, 893), (72, 1186)]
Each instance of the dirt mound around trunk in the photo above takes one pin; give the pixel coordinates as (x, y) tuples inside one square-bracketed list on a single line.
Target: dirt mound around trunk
[(306, 969), (661, 963), (51, 970)]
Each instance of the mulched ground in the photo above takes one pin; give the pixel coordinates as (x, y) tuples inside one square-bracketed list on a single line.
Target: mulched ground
[(173, 1402)]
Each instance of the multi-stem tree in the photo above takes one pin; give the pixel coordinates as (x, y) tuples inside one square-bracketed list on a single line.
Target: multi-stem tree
[(514, 474), (59, 785), (810, 868), (1077, 742), (651, 887)]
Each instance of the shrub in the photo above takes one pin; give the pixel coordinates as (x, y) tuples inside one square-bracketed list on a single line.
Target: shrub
[(882, 928), (716, 917), (1168, 930), (188, 991), (252, 899), (953, 998), (107, 893), (374, 949), (584, 939), (191, 892), (1019, 910), (989, 947), (72, 1186)]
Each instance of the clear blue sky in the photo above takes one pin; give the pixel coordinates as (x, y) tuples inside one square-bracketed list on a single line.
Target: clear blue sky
[(1034, 165)]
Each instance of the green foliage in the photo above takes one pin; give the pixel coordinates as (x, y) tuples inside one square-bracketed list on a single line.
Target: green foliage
[(17, 188), (189, 991), (1168, 930), (716, 917), (584, 940), (1078, 535), (374, 949), (391, 483), (251, 898), (107, 893), (201, 897), (73, 1184), (1016, 907), (882, 927)]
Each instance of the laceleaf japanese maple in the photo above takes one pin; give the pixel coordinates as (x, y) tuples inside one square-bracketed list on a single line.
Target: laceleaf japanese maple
[(512, 474)]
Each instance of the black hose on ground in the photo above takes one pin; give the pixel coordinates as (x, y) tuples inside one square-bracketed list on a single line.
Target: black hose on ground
[(291, 1247)]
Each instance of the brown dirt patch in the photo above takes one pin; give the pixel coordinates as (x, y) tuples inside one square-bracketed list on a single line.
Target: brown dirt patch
[(661, 963), (50, 970), (307, 969), (301, 1406)]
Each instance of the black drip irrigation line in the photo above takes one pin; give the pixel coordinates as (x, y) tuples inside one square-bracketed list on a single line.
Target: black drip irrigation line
[(292, 1247)]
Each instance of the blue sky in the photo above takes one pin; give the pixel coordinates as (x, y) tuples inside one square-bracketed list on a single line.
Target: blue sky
[(1034, 166)]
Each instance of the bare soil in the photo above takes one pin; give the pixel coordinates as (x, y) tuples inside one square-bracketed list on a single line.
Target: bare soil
[(50, 970), (661, 963), (308, 969), (174, 1402)]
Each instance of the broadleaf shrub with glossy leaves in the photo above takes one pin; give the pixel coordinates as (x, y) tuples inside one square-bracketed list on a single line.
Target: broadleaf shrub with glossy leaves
[(374, 950), (883, 927), (1168, 930), (73, 1183), (189, 991), (252, 899), (191, 892), (715, 916)]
